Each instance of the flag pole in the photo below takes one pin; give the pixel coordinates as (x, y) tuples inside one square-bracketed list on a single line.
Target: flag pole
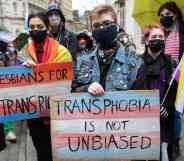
[(171, 82)]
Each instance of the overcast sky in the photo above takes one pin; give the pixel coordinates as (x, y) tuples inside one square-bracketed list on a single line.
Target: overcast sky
[(83, 5)]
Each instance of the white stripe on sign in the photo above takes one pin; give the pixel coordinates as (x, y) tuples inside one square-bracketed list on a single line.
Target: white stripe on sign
[(51, 88), (107, 126)]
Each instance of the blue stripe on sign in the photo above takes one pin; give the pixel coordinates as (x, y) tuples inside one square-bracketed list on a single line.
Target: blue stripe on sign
[(18, 116), (153, 98), (151, 153), (15, 70)]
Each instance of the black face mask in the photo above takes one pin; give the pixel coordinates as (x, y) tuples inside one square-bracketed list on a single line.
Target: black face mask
[(38, 35), (156, 45), (167, 21), (105, 36)]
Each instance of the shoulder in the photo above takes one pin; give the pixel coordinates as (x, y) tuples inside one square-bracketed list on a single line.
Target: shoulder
[(89, 56), (167, 60), (129, 58), (54, 43), (70, 33)]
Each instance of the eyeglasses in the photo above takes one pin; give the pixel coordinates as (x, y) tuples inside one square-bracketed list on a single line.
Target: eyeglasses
[(38, 27), (103, 24)]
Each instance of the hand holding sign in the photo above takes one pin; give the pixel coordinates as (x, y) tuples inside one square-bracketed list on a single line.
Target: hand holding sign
[(29, 63), (25, 92), (96, 89), (116, 126)]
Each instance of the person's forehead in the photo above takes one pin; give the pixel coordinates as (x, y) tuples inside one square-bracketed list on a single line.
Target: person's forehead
[(156, 31), (36, 20), (165, 10), (103, 17), (82, 40)]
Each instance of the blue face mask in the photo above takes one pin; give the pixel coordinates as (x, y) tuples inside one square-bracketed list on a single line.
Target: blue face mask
[(82, 46), (106, 36)]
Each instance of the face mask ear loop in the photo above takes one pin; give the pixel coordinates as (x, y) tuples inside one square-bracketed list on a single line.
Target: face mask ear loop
[(118, 28)]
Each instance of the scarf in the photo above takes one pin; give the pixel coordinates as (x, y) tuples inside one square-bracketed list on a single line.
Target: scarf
[(53, 52)]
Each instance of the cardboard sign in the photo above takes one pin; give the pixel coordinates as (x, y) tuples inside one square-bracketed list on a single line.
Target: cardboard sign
[(25, 92), (116, 126)]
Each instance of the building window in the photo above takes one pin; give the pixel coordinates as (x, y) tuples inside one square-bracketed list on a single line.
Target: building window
[(15, 7)]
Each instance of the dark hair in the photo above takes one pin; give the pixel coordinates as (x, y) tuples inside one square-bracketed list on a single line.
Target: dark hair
[(84, 35), (42, 16), (3, 46), (4, 58), (172, 6)]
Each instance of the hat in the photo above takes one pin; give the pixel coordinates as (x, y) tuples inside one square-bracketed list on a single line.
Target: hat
[(54, 7)]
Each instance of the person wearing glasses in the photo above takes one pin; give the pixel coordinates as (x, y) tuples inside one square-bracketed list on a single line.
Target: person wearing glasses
[(43, 49), (108, 67)]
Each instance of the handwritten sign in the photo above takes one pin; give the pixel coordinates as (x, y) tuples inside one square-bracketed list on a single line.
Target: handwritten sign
[(25, 92), (116, 126)]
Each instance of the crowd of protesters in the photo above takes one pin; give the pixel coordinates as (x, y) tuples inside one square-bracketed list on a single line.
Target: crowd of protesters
[(105, 59)]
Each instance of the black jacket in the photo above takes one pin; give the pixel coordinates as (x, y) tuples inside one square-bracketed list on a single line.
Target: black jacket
[(148, 74), (2, 138)]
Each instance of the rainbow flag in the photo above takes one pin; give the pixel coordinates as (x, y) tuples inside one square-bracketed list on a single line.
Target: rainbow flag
[(179, 103)]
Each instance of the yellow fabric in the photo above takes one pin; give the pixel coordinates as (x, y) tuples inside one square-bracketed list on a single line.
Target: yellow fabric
[(145, 11), (53, 52), (63, 55), (180, 90)]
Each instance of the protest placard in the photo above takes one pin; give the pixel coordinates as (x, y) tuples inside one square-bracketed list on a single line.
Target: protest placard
[(25, 92), (115, 126)]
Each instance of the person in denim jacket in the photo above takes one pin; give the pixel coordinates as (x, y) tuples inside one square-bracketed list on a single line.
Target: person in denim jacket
[(108, 67)]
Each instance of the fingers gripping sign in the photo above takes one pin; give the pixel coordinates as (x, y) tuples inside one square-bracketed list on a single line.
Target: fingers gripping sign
[(96, 89), (29, 63)]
